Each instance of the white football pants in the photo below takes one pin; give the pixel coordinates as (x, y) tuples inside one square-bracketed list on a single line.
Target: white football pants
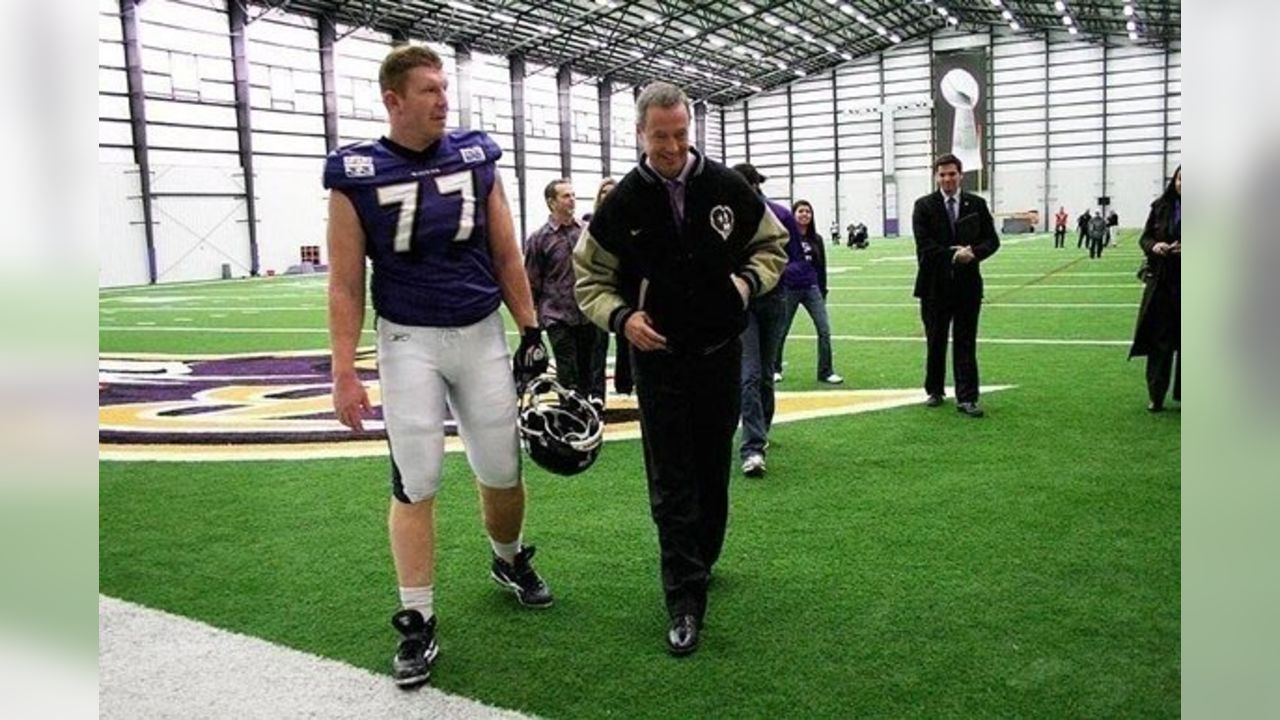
[(422, 369)]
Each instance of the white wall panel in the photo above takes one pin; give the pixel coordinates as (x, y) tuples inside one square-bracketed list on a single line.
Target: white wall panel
[(1132, 185), (115, 133), (1019, 188), (122, 241), (862, 200), (291, 214), (196, 236)]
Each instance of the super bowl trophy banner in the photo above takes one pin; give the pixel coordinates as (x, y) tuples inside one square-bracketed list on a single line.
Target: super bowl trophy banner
[(960, 111)]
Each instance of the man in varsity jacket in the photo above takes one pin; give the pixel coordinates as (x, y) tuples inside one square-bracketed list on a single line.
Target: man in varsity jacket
[(671, 260)]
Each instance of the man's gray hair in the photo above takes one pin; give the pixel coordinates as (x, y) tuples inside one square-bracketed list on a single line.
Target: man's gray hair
[(660, 94)]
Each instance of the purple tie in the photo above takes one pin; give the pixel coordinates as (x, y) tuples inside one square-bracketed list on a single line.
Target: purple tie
[(951, 211), (675, 193)]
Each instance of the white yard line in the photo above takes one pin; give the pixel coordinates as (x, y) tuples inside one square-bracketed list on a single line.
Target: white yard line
[(276, 281), (993, 305), (988, 276), (318, 307), (153, 664), (511, 333), (983, 340), (223, 330), (1135, 286)]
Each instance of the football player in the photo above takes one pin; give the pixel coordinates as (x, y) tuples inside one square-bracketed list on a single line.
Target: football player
[(426, 206)]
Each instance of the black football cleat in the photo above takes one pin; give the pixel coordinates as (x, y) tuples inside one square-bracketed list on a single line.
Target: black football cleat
[(411, 665), (522, 579), (934, 401)]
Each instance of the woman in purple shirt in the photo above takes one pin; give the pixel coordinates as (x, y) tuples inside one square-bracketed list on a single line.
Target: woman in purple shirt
[(805, 283)]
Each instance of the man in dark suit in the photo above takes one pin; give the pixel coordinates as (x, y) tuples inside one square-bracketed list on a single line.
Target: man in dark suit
[(954, 233)]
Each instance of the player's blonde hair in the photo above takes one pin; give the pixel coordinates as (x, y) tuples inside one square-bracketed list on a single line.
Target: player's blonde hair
[(398, 63)]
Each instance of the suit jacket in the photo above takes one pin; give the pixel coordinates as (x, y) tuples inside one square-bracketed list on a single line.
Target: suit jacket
[(1160, 315), (938, 277)]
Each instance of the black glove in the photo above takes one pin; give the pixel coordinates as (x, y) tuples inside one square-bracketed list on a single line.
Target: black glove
[(530, 360)]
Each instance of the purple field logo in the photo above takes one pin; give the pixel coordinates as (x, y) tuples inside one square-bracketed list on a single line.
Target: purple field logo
[(242, 402), (279, 406)]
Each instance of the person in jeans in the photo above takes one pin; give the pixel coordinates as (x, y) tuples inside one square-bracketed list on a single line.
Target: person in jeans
[(805, 283), (623, 383), (761, 343)]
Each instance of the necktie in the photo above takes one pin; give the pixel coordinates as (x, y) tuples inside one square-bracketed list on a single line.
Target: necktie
[(951, 211)]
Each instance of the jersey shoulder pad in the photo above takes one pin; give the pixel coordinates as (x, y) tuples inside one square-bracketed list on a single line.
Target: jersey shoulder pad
[(350, 165), (472, 148)]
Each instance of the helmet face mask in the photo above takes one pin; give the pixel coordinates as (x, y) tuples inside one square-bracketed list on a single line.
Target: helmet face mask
[(559, 429)]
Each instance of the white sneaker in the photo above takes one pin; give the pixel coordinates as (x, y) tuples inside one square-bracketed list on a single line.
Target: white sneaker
[(777, 377), (753, 466), (833, 379)]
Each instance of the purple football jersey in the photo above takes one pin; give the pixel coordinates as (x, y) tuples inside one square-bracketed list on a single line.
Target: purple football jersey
[(425, 224)]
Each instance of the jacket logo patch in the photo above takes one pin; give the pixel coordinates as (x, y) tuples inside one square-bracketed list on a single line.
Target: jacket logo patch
[(358, 165), (722, 221), (472, 154)]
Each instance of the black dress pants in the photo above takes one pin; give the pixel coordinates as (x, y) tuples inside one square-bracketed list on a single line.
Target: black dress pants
[(1159, 364), (689, 406), (959, 318), (623, 384), (580, 352)]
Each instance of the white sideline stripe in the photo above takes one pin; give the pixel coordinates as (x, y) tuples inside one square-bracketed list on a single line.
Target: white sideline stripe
[(154, 664), (996, 305)]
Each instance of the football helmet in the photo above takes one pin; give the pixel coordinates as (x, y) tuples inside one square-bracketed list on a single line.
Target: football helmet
[(560, 430)]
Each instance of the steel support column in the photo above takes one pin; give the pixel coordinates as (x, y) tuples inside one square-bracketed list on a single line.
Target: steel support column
[(1105, 58), (328, 86), (138, 125), (1047, 176), (791, 151), (835, 144), (462, 60), (724, 149), (564, 83), (700, 120), (240, 75), (515, 65), (604, 103)]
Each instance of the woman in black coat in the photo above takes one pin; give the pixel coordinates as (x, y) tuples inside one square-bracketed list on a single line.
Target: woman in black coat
[(1159, 332)]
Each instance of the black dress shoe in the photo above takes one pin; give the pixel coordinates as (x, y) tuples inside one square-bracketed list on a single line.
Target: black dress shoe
[(682, 638), (969, 408), (933, 401)]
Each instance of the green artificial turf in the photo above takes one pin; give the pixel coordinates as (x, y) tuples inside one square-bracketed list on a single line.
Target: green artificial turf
[(907, 562)]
